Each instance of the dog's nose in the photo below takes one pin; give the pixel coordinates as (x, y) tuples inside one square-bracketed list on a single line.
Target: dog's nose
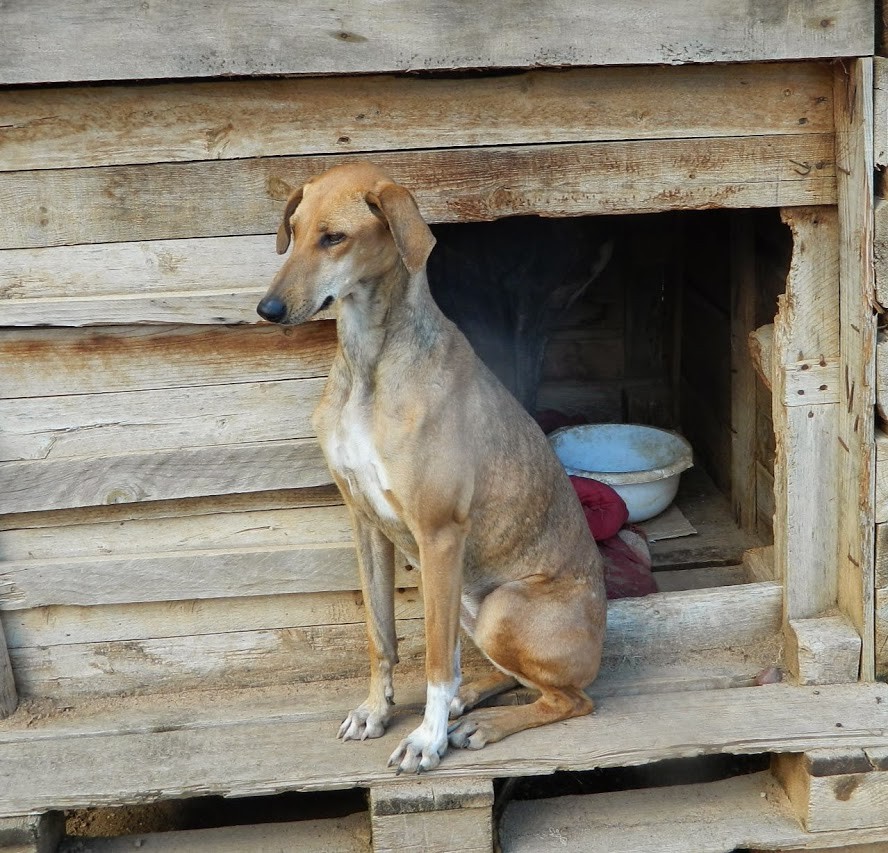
[(272, 309)]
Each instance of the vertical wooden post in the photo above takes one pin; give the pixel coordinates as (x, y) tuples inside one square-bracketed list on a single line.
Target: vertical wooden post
[(433, 815), (743, 379), (8, 695), (853, 93), (805, 375)]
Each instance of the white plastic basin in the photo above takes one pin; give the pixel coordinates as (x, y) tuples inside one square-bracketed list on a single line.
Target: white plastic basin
[(642, 464)]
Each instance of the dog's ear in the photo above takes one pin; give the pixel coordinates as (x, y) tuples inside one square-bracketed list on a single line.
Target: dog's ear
[(397, 208), (284, 230)]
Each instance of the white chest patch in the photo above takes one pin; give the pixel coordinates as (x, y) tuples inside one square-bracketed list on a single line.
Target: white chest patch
[(352, 454)]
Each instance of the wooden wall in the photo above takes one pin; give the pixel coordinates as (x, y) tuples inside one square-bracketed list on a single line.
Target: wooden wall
[(167, 520)]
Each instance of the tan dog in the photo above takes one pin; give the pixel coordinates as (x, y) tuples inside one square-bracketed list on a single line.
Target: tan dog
[(432, 455)]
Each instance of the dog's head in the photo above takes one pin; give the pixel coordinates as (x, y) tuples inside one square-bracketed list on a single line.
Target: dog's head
[(350, 227)]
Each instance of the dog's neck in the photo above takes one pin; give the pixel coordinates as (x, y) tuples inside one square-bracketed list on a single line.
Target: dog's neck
[(397, 307)]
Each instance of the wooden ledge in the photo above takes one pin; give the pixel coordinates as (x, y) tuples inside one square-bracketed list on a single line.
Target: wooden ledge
[(744, 812), (248, 745)]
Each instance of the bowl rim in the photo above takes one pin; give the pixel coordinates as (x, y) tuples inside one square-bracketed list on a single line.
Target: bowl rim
[(684, 461)]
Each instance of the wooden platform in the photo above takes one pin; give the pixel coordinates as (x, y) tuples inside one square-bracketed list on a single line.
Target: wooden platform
[(252, 743)]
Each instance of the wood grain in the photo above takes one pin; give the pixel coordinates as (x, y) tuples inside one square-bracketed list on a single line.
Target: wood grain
[(69, 127), (739, 813), (58, 362), (126, 40), (39, 484), (243, 197), (285, 751), (854, 154), (806, 329)]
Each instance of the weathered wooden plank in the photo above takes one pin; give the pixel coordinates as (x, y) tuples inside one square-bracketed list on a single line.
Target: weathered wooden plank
[(880, 111), (833, 801), (880, 506), (121, 125), (161, 474), (239, 197), (8, 692), (702, 655), (806, 330), (350, 834), (742, 385), (190, 575), (35, 833), (60, 625), (686, 621), (54, 428), (432, 816), (854, 156), (739, 813), (826, 649), (234, 659), (880, 257), (58, 362), (118, 41), (283, 752), (213, 280), (881, 619), (176, 530)]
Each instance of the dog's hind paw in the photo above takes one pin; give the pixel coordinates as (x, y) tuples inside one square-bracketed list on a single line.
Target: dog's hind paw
[(467, 733), (363, 723)]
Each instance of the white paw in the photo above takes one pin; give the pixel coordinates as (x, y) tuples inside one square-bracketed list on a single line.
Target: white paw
[(366, 721), (419, 751)]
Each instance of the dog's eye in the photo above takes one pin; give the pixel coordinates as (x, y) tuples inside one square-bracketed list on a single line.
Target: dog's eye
[(331, 238)]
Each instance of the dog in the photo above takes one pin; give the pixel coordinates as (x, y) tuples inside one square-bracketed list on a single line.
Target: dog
[(434, 457)]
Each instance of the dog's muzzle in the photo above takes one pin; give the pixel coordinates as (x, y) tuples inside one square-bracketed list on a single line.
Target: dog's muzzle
[(272, 309)]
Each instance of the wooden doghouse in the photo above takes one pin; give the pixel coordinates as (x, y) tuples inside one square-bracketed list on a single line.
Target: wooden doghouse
[(178, 591)]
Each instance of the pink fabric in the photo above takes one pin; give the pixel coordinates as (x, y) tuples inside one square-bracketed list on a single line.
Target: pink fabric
[(604, 508), (627, 559)]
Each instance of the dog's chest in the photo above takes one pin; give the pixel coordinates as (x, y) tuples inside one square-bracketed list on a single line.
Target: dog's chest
[(351, 452)]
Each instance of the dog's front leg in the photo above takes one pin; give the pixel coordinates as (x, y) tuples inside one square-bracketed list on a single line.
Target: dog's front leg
[(376, 560), (441, 562)]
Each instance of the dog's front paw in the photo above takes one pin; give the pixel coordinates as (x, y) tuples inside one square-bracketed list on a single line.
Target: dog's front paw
[(366, 721), (419, 751)]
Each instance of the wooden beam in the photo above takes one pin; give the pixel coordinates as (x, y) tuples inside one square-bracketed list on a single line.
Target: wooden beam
[(806, 332), (834, 789), (251, 642), (58, 362), (70, 127), (120, 41), (854, 158), (739, 813), (246, 197), (8, 691), (34, 833), (349, 834), (825, 650), (743, 305), (433, 815), (287, 750)]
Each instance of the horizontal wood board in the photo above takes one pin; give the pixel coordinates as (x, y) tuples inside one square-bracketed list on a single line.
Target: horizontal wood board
[(70, 127), (716, 817), (243, 197), (40, 771), (127, 40)]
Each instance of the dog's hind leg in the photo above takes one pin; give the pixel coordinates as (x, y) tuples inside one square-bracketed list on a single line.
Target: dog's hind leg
[(376, 560), (488, 725), (547, 633), (479, 690)]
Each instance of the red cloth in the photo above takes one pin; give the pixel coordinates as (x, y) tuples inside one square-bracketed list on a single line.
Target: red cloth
[(605, 510), (627, 560)]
